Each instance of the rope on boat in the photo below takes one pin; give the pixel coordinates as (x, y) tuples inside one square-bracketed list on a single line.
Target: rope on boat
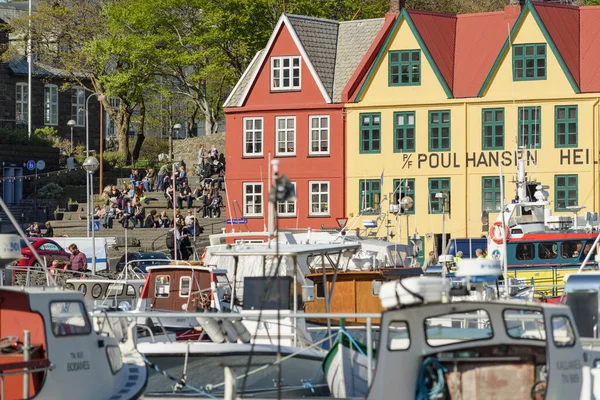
[(179, 383), (431, 384)]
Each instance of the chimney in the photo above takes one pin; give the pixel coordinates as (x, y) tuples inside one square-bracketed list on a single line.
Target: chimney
[(396, 6)]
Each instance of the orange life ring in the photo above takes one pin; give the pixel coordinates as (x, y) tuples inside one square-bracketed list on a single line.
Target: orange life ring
[(498, 240)]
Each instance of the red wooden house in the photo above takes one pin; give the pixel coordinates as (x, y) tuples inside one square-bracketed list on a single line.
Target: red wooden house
[(288, 106)]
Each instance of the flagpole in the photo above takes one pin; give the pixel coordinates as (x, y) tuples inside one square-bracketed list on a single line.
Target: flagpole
[(29, 74)]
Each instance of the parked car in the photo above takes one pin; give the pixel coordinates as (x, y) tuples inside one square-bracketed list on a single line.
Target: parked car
[(46, 248), (143, 259)]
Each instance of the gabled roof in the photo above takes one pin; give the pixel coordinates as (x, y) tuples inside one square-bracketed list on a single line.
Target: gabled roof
[(589, 51), (332, 51), (552, 17), (438, 32), (19, 66), (479, 38)]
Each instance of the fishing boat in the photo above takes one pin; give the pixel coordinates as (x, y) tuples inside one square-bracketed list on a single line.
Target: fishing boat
[(539, 248), (49, 349), (451, 344)]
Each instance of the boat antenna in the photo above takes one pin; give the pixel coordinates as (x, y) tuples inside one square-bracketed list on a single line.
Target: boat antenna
[(12, 219)]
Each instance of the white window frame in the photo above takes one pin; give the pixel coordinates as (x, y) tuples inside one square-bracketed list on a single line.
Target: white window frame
[(319, 130), (21, 100), (78, 105), (254, 131), (310, 200), (253, 214), (189, 279), (285, 205), (277, 66), (285, 131), (51, 105)]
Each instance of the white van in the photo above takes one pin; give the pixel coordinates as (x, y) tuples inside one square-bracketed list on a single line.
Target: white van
[(84, 244)]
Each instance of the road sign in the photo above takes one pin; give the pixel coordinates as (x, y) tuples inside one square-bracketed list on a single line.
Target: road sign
[(341, 221), (239, 221), (96, 226), (131, 133), (41, 164), (31, 165)]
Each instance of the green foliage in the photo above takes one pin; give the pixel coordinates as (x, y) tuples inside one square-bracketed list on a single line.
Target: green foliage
[(71, 201), (67, 178), (46, 133), (153, 146), (50, 191), (113, 159), (19, 137)]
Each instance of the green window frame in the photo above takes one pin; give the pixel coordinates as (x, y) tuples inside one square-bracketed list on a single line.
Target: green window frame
[(439, 130), (370, 133), (404, 68), (439, 185), (404, 132), (492, 129), (406, 188), (566, 126), (491, 196), (530, 127), (529, 62), (565, 192), (369, 196)]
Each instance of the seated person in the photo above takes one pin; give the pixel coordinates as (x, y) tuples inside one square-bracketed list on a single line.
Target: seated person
[(215, 206), (128, 214), (169, 196), (185, 195), (151, 220), (109, 214), (165, 221), (140, 214)]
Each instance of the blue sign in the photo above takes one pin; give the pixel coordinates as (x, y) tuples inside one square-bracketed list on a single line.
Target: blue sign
[(31, 165), (238, 221), (96, 226)]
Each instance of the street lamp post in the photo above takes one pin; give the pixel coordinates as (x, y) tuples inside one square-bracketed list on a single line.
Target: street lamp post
[(443, 197), (87, 147), (91, 165), (71, 124), (176, 129), (407, 204)]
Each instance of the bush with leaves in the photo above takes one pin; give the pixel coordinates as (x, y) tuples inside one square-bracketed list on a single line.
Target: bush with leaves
[(50, 191), (19, 137), (112, 159)]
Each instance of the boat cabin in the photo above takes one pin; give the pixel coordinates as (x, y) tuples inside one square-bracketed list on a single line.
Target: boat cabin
[(185, 286), (108, 293), (48, 332), (350, 291)]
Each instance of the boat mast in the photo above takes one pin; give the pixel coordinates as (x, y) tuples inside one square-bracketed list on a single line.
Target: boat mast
[(29, 73)]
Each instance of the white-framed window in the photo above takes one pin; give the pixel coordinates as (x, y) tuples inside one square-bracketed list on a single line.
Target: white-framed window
[(51, 105), (185, 286), (253, 136), (319, 134), (286, 136), (21, 102), (78, 105), (287, 208), (319, 197), (285, 73), (253, 199)]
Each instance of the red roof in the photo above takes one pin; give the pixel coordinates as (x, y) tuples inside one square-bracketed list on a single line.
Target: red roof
[(438, 32), (590, 48), (479, 38), (562, 23)]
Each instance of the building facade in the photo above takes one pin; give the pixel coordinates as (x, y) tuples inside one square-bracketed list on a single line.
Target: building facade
[(287, 107), (451, 103)]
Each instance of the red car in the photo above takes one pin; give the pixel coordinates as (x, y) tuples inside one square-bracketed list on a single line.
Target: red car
[(46, 248)]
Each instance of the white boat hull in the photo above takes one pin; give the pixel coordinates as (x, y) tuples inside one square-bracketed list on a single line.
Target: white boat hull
[(346, 373)]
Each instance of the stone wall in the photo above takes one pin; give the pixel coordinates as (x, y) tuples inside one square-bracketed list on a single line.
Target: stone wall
[(187, 149)]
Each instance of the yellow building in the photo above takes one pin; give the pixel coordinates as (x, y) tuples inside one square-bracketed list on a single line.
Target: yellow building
[(451, 99)]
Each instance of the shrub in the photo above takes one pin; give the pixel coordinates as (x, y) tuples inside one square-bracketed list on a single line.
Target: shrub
[(50, 191), (46, 133), (152, 147), (19, 137), (112, 159)]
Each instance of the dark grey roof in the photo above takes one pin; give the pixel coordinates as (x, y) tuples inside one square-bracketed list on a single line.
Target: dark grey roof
[(19, 66), (15, 9), (354, 40), (319, 39), (334, 48), (235, 97)]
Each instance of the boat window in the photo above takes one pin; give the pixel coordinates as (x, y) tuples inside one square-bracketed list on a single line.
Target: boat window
[(548, 250), (163, 283), (399, 258), (587, 248), (130, 290), (376, 287), (69, 318), (223, 286), (319, 290), (114, 289), (398, 336), (96, 290), (458, 327), (524, 324), (562, 332), (570, 249), (113, 353), (185, 283), (525, 251)]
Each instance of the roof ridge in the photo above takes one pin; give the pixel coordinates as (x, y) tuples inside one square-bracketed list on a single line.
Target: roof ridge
[(362, 20), (432, 13), (481, 14), (557, 5), (309, 18)]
